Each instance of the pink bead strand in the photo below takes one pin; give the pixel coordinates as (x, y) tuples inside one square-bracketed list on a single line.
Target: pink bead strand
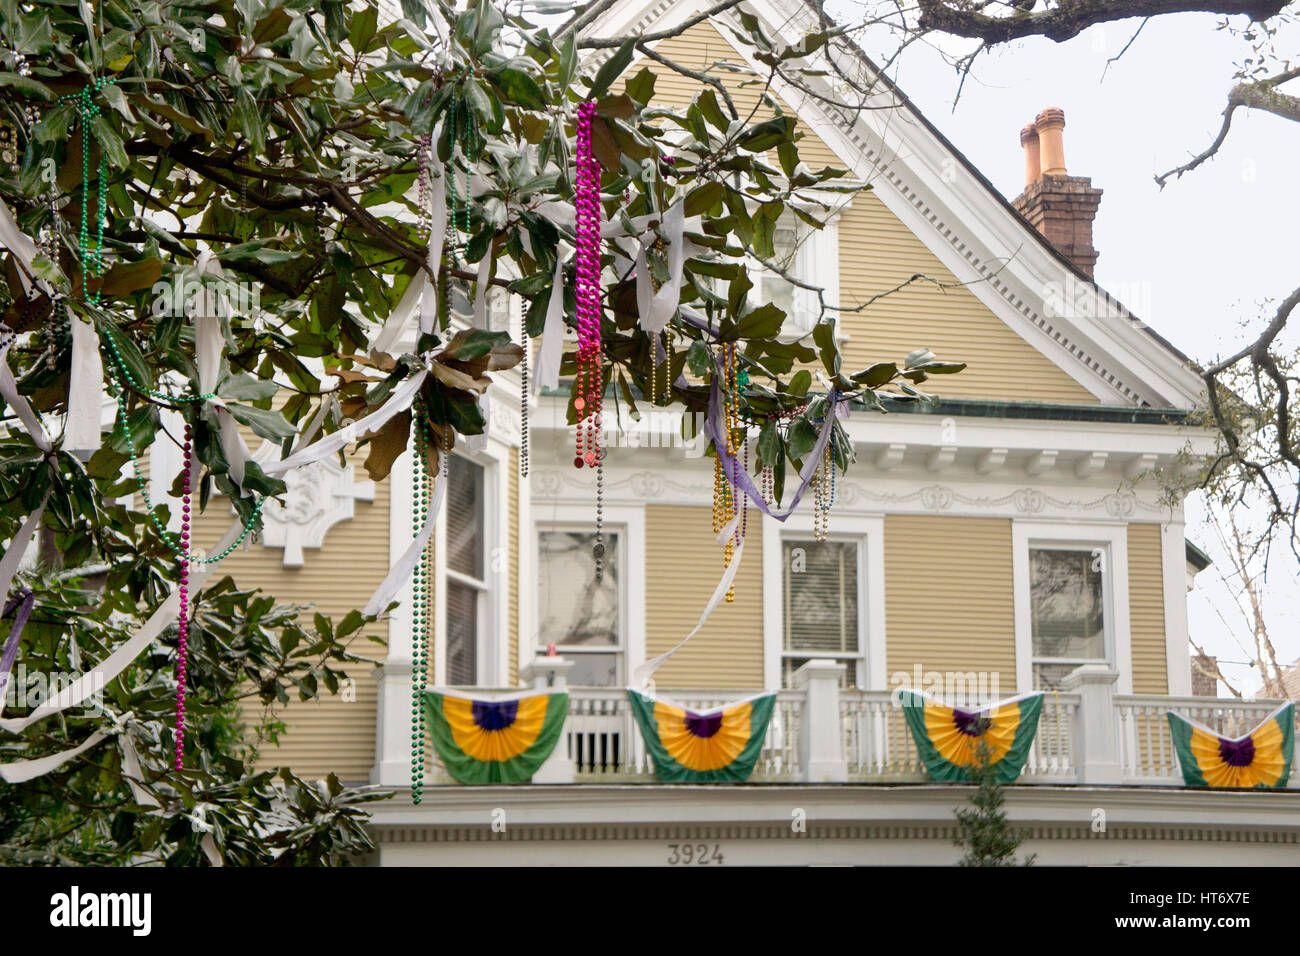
[(183, 621), (587, 400)]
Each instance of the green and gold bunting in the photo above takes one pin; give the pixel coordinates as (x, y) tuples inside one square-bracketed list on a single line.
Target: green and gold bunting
[(948, 738), (500, 740), (1260, 760), (720, 745)]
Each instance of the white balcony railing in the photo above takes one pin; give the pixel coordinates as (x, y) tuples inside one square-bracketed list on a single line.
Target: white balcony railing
[(1146, 751), (822, 733), (605, 746)]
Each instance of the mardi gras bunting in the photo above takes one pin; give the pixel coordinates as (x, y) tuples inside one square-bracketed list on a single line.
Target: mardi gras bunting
[(495, 741), (1260, 760), (713, 746), (948, 738)]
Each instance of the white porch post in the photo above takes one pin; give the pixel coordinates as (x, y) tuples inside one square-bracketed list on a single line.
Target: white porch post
[(821, 747), (1097, 732), (393, 711), (1178, 650), (552, 673)]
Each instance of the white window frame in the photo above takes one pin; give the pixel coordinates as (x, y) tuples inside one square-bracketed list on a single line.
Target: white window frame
[(1112, 541), (494, 600), (869, 532), (821, 249), (629, 522)]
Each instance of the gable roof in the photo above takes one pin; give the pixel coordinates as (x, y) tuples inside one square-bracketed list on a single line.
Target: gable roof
[(959, 216)]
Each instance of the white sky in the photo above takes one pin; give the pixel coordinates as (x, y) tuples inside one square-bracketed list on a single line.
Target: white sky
[(1196, 260)]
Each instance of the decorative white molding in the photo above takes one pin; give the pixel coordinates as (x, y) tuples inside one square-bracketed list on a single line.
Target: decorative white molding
[(1139, 465), (941, 458), (991, 460), (319, 496), (1041, 463), (1092, 464), (891, 456)]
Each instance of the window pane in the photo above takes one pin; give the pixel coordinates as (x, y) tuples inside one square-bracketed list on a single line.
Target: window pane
[(464, 516), (1049, 676), (462, 634), (791, 664), (573, 607), (821, 596), (1067, 603), (593, 670)]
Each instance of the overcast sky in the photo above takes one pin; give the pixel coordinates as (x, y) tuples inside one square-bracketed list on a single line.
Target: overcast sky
[(1195, 260)]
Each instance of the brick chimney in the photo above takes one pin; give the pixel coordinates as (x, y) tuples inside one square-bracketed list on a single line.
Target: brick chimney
[(1060, 206)]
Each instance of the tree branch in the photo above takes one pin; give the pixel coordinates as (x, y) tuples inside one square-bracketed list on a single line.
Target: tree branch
[(1071, 17)]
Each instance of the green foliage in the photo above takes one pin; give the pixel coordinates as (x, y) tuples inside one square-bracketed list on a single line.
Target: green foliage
[(982, 830), (280, 137), (247, 657)]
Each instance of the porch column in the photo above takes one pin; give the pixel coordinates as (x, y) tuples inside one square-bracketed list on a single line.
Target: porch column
[(821, 743), (392, 767), (1097, 732), (552, 674)]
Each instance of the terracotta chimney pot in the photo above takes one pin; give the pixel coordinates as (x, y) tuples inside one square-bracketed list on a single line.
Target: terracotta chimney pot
[(1049, 124), (1029, 140)]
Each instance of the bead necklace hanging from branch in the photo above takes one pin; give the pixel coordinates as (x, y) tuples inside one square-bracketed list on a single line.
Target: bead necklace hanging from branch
[(91, 255), (588, 386)]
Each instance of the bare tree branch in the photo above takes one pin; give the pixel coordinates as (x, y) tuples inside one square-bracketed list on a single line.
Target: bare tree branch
[(1069, 18)]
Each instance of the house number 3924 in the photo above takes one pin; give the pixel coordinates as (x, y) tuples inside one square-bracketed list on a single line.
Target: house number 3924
[(699, 854)]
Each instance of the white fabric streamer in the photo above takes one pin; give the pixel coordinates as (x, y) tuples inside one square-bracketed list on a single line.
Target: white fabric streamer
[(9, 391), (657, 308), (398, 319), (131, 768), (398, 401), (82, 435), (209, 347), (480, 291), (547, 372), (18, 547), (24, 250), (108, 669), (642, 674), (428, 304), (20, 771), (401, 570)]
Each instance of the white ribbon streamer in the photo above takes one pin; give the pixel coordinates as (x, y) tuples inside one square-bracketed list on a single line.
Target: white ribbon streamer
[(9, 391), (20, 771), (398, 319), (401, 570), (108, 669), (18, 547), (398, 401), (551, 349), (480, 291), (641, 675), (23, 249), (656, 308), (82, 435)]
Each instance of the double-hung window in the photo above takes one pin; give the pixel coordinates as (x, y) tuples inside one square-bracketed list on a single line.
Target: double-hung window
[(820, 605), (1068, 610), (577, 613), (467, 610)]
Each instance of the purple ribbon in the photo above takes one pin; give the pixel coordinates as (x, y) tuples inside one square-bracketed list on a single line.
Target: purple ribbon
[(716, 429), (23, 602)]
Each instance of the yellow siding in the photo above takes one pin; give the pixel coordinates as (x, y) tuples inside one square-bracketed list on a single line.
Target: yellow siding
[(949, 604), (512, 655), (1146, 599), (683, 564), (878, 253), (329, 734)]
